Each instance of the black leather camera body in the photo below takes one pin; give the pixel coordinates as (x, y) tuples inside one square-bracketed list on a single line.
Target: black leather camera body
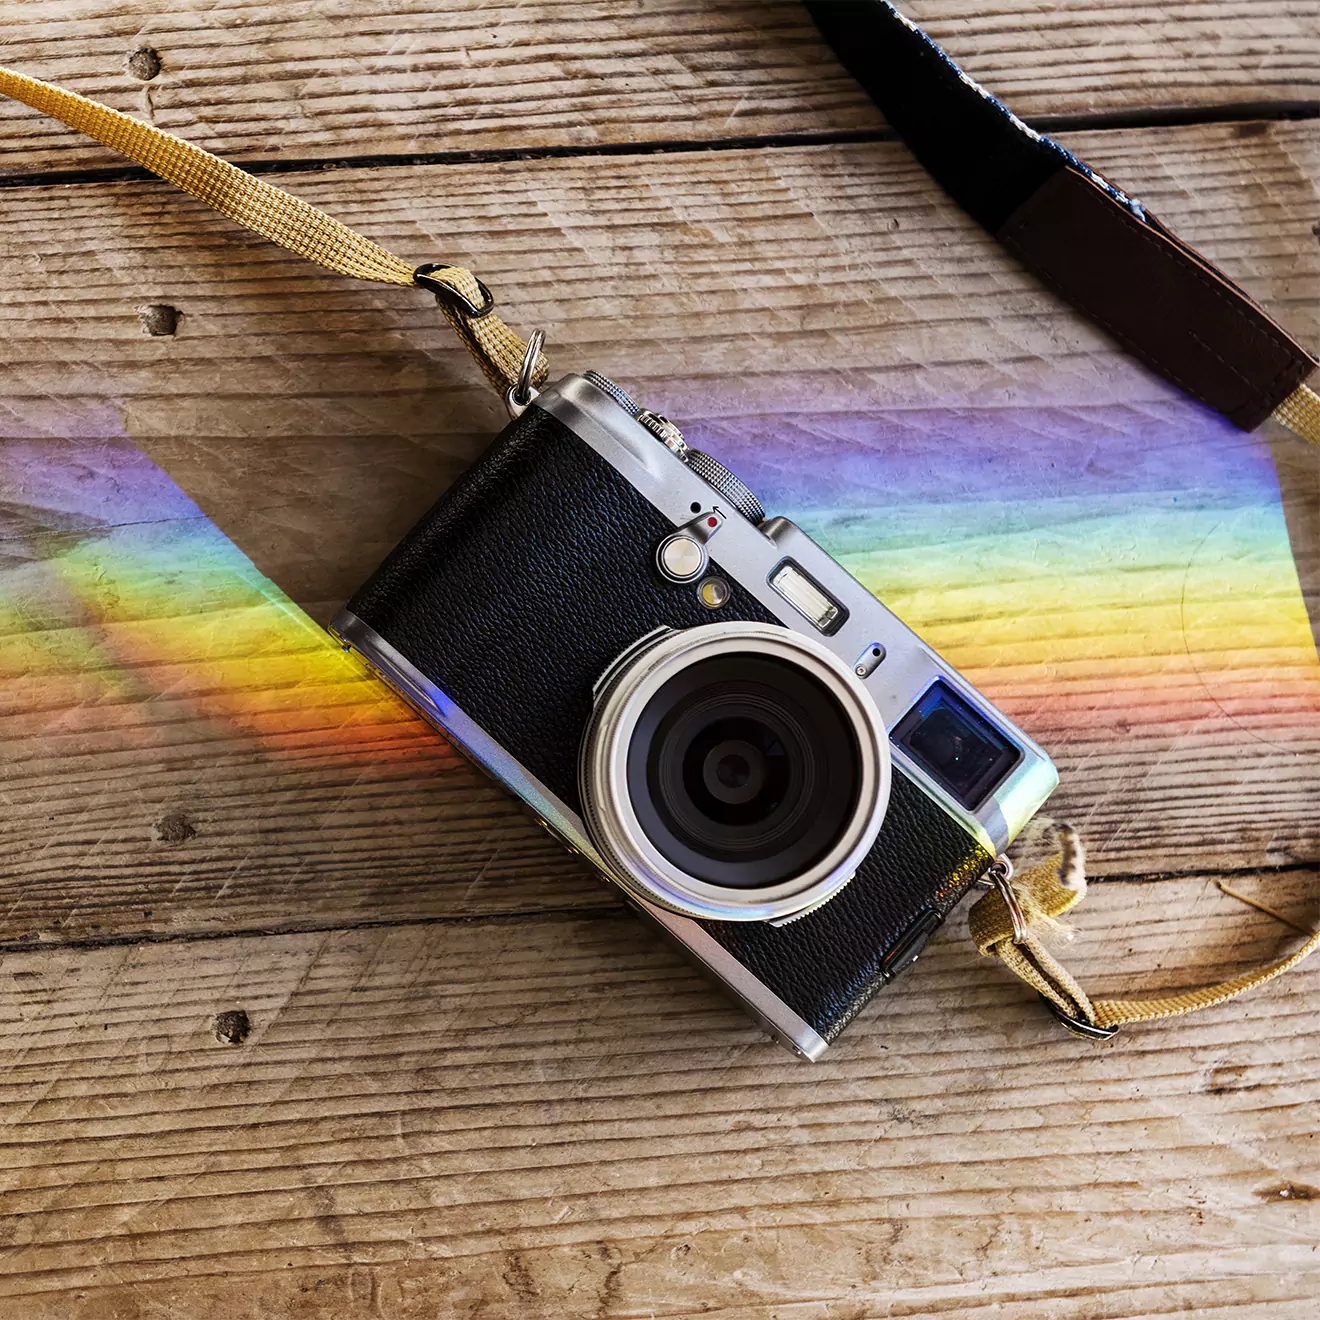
[(702, 702)]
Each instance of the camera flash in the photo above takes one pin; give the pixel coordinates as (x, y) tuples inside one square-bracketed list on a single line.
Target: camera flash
[(805, 596), (714, 592)]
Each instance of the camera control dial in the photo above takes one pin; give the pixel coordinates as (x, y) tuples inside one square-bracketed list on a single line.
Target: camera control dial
[(717, 476), (665, 431), (709, 469), (616, 392)]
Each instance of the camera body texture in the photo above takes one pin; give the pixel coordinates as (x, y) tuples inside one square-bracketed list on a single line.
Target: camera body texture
[(588, 554)]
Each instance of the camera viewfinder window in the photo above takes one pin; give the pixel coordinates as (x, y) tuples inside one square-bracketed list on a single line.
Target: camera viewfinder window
[(960, 749)]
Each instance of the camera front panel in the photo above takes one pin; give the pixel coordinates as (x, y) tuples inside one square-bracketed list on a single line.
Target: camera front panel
[(524, 583), (500, 611)]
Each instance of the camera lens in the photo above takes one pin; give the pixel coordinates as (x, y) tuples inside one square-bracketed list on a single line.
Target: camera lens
[(743, 770), (735, 771)]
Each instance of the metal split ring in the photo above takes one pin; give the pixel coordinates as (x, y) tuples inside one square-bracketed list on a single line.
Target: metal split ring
[(999, 876), (522, 392), (1015, 913)]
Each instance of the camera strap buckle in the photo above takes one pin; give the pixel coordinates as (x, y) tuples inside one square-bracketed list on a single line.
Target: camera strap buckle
[(448, 290), (1079, 1026), (1005, 921)]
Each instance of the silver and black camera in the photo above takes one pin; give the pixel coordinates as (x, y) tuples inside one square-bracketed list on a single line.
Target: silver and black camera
[(700, 701)]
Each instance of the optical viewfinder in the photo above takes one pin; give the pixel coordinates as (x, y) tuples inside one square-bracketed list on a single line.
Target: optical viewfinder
[(958, 747)]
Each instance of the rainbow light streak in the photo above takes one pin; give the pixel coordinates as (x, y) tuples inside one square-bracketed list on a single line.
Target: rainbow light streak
[(1093, 570), (127, 620)]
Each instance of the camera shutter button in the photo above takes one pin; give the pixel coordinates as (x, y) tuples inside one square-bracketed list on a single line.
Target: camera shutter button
[(681, 557)]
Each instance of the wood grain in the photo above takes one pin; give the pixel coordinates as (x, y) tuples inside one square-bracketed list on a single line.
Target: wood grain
[(553, 1117), (298, 82), (836, 274), (314, 419), (182, 751), (300, 1019)]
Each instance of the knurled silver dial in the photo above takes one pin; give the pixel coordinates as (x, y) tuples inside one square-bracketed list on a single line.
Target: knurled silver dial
[(616, 392), (665, 431), (715, 474), (710, 470)]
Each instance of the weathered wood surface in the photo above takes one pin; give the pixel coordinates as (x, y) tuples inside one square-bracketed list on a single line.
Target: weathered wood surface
[(314, 419), (363, 77), (184, 752), (554, 1116), (469, 1086), (834, 273)]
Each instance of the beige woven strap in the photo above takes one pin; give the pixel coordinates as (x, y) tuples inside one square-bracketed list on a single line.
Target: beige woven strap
[(284, 219), (1043, 894), (1300, 412)]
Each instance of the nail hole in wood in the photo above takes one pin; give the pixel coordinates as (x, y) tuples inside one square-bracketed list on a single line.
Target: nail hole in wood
[(144, 63), (173, 827), (231, 1028), (1289, 1191), (159, 318)]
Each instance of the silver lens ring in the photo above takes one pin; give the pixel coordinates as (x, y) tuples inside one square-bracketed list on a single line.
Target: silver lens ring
[(632, 857)]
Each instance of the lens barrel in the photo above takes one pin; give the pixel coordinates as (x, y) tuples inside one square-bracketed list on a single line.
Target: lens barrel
[(736, 771)]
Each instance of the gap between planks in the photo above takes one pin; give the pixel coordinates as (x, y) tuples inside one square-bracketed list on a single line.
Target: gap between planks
[(603, 904), (1245, 113), (365, 78)]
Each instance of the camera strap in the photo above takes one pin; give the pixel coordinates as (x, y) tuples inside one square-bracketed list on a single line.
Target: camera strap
[(506, 359), (1088, 240), (1016, 918), (1099, 248), (1163, 301), (1102, 250)]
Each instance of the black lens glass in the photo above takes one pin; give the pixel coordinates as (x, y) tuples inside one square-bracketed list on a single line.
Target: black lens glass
[(962, 750), (744, 770), (736, 770)]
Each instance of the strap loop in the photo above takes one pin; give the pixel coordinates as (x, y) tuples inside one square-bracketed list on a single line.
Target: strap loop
[(1043, 894), (288, 221), (1079, 1027), (452, 293)]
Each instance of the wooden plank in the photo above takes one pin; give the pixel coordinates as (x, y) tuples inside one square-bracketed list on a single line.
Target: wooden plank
[(361, 77), (553, 1117), (1299, 483), (542, 1113), (1159, 649), (182, 749)]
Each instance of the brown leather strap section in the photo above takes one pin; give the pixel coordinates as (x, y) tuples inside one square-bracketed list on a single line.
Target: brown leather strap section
[(1158, 297)]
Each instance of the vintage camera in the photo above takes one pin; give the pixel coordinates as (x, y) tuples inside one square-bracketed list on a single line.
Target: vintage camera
[(702, 702)]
